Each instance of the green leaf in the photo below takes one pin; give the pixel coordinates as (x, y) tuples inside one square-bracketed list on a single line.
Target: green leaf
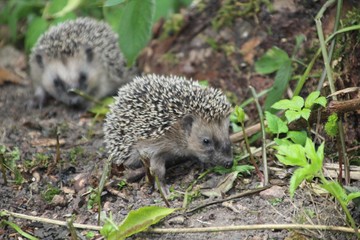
[(352, 196), (240, 114), (297, 178), (331, 126), (71, 6), (37, 27), (321, 101), (310, 100), (292, 115), (272, 61), (336, 190), (103, 108), (110, 3), (320, 155), (296, 103), (275, 124), (305, 113), (282, 78), (310, 149), (163, 9), (283, 104), (282, 142), (19, 230), (139, 220), (298, 137), (134, 27), (293, 155)]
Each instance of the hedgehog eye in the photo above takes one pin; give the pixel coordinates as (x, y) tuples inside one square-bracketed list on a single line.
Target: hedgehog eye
[(206, 141)]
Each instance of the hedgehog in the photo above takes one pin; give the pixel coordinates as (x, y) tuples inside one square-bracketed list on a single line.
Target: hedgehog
[(78, 54), (166, 119)]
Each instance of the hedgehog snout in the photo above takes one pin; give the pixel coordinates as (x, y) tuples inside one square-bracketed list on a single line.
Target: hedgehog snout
[(228, 164)]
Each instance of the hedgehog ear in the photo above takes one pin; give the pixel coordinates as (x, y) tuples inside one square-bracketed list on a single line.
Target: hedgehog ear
[(187, 123)]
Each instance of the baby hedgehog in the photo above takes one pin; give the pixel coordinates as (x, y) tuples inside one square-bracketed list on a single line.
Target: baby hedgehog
[(166, 119), (78, 54)]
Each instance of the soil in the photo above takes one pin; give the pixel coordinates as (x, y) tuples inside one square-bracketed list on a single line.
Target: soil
[(79, 167)]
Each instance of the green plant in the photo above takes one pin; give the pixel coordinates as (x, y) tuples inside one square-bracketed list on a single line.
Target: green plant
[(50, 192), (292, 151), (122, 184), (8, 159), (135, 222), (76, 153), (277, 60)]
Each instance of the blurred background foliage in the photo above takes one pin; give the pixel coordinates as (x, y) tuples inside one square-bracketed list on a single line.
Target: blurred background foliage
[(26, 20)]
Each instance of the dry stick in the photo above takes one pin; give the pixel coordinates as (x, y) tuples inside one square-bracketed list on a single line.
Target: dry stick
[(50, 221), (252, 227), (263, 135), (103, 179), (243, 194), (192, 230)]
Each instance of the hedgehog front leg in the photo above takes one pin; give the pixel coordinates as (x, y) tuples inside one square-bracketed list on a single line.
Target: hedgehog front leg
[(158, 169)]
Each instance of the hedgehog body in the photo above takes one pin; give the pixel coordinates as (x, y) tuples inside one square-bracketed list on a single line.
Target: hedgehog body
[(168, 118), (78, 54)]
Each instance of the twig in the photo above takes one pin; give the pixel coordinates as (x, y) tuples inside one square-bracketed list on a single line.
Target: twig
[(253, 227), (50, 221), (243, 194)]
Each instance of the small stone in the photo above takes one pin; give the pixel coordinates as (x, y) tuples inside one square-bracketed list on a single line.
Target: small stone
[(273, 192)]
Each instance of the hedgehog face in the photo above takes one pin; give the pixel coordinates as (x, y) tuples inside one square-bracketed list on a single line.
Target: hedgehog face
[(81, 72), (209, 142)]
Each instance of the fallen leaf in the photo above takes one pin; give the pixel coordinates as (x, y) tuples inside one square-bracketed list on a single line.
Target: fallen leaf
[(248, 49), (8, 76)]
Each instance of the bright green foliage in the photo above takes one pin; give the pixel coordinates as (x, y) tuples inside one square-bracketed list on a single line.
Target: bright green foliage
[(275, 59), (122, 184), (50, 192), (336, 190), (313, 98), (131, 19), (18, 229), (271, 61), (110, 3), (307, 158), (36, 28), (298, 137), (90, 235), (135, 222), (135, 19), (275, 124), (239, 113), (241, 169), (331, 127), (9, 161), (102, 108), (69, 8), (298, 108)]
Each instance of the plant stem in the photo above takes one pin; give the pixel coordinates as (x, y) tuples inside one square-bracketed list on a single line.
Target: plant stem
[(331, 84), (263, 134)]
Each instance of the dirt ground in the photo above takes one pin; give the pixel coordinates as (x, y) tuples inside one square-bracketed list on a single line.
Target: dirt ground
[(82, 152)]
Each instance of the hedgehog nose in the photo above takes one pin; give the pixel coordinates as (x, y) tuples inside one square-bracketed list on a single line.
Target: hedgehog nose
[(228, 164)]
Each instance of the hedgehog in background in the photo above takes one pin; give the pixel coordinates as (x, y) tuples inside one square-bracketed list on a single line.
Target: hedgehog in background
[(78, 54)]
